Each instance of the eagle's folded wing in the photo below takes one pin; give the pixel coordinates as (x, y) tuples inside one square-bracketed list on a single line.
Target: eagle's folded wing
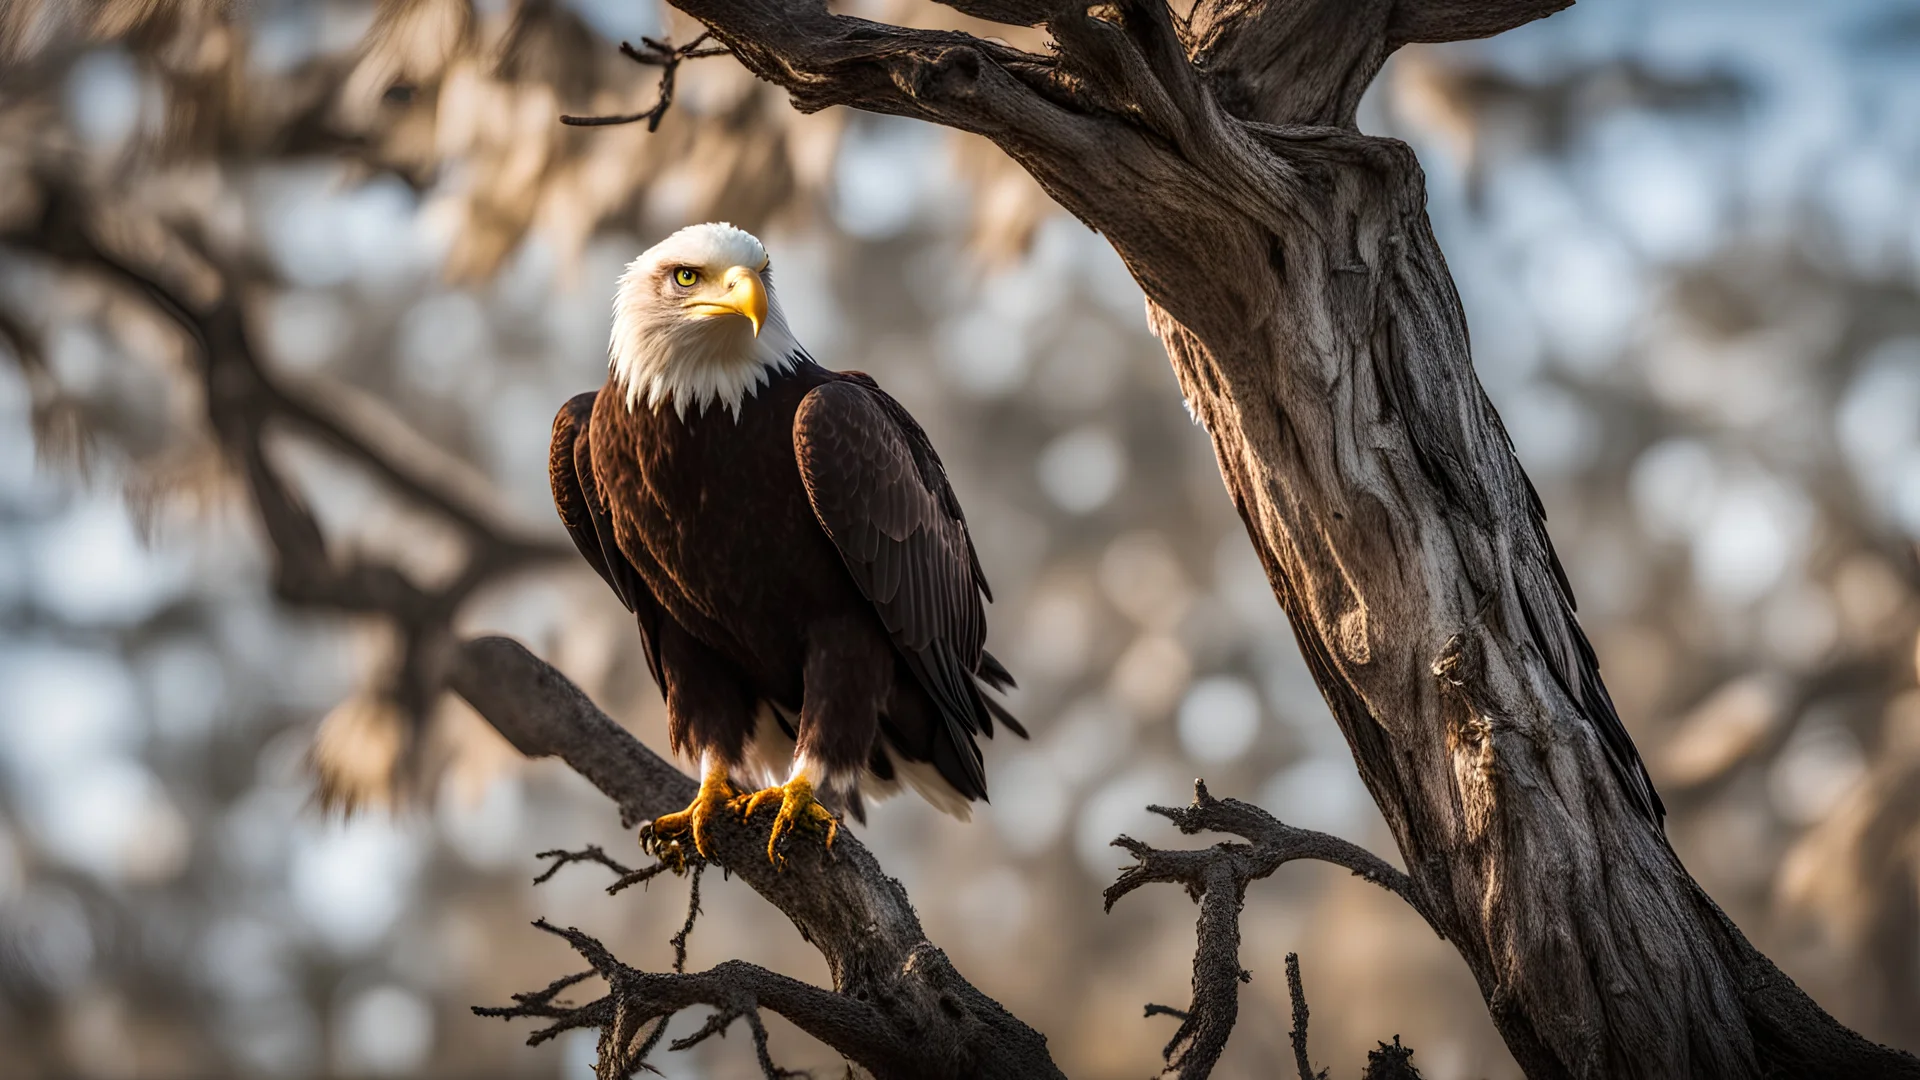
[(570, 471), (882, 497)]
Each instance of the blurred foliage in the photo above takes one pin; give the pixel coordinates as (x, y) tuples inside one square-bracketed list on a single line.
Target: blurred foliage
[(1685, 237)]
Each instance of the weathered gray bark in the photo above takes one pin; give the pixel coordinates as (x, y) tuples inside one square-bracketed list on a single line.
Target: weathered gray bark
[(1290, 269)]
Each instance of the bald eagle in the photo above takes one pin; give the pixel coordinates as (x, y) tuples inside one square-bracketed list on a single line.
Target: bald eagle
[(809, 598)]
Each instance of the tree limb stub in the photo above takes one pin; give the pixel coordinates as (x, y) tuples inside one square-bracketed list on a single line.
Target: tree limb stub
[(1292, 274), (898, 1007), (1298, 1035)]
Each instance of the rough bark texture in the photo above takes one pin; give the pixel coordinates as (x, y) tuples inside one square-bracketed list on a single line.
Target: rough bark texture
[(1291, 272)]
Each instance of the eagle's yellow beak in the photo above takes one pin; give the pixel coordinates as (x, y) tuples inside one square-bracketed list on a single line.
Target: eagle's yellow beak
[(745, 294)]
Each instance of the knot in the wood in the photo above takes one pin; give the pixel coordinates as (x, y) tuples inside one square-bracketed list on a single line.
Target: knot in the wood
[(1458, 662), (1356, 642), (953, 71), (927, 962)]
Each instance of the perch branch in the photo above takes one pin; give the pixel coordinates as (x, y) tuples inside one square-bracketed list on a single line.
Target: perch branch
[(898, 1007)]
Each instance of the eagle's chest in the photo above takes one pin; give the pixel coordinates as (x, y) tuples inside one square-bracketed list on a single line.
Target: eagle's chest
[(717, 519), (710, 478)]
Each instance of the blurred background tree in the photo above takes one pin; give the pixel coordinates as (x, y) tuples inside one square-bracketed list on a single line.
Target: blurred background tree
[(1686, 235)]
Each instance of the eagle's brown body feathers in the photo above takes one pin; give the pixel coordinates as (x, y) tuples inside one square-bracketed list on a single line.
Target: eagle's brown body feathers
[(802, 561)]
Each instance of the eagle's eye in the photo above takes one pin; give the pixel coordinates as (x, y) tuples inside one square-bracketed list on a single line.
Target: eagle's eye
[(686, 277)]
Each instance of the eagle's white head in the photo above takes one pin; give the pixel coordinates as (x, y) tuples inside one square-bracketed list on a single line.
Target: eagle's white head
[(695, 321)]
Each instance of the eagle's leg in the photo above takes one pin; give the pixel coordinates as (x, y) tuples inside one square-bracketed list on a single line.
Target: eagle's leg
[(798, 809), (668, 835)]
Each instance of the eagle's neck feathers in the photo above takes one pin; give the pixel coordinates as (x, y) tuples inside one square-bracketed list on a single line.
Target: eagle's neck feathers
[(694, 364)]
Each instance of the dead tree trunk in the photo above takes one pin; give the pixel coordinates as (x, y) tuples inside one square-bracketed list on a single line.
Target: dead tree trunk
[(1290, 269)]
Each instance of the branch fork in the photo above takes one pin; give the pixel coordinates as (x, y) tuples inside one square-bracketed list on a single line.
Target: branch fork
[(1216, 878), (1274, 843), (668, 58), (633, 1014)]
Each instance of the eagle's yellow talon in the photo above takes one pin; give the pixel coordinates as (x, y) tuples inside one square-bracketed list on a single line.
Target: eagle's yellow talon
[(667, 836), (746, 804), (798, 809)]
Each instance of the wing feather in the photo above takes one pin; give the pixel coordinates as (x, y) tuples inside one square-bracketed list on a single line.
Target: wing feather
[(577, 497), (881, 495)]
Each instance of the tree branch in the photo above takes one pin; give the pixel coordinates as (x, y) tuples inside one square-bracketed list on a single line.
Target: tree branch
[(898, 1008), (1216, 878), (943, 76), (1298, 1036), (735, 989), (1275, 844), (1463, 20)]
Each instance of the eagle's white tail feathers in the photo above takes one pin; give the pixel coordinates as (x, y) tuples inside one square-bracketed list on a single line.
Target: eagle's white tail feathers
[(769, 751), (926, 780), (770, 761)]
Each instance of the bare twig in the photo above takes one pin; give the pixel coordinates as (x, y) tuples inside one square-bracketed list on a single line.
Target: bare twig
[(1275, 844), (1298, 1036), (639, 877), (668, 59), (679, 940), (736, 990), (592, 854), (718, 1023), (627, 877)]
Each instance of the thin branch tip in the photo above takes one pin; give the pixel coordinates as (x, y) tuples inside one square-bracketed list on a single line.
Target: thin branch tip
[(591, 853), (668, 58)]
